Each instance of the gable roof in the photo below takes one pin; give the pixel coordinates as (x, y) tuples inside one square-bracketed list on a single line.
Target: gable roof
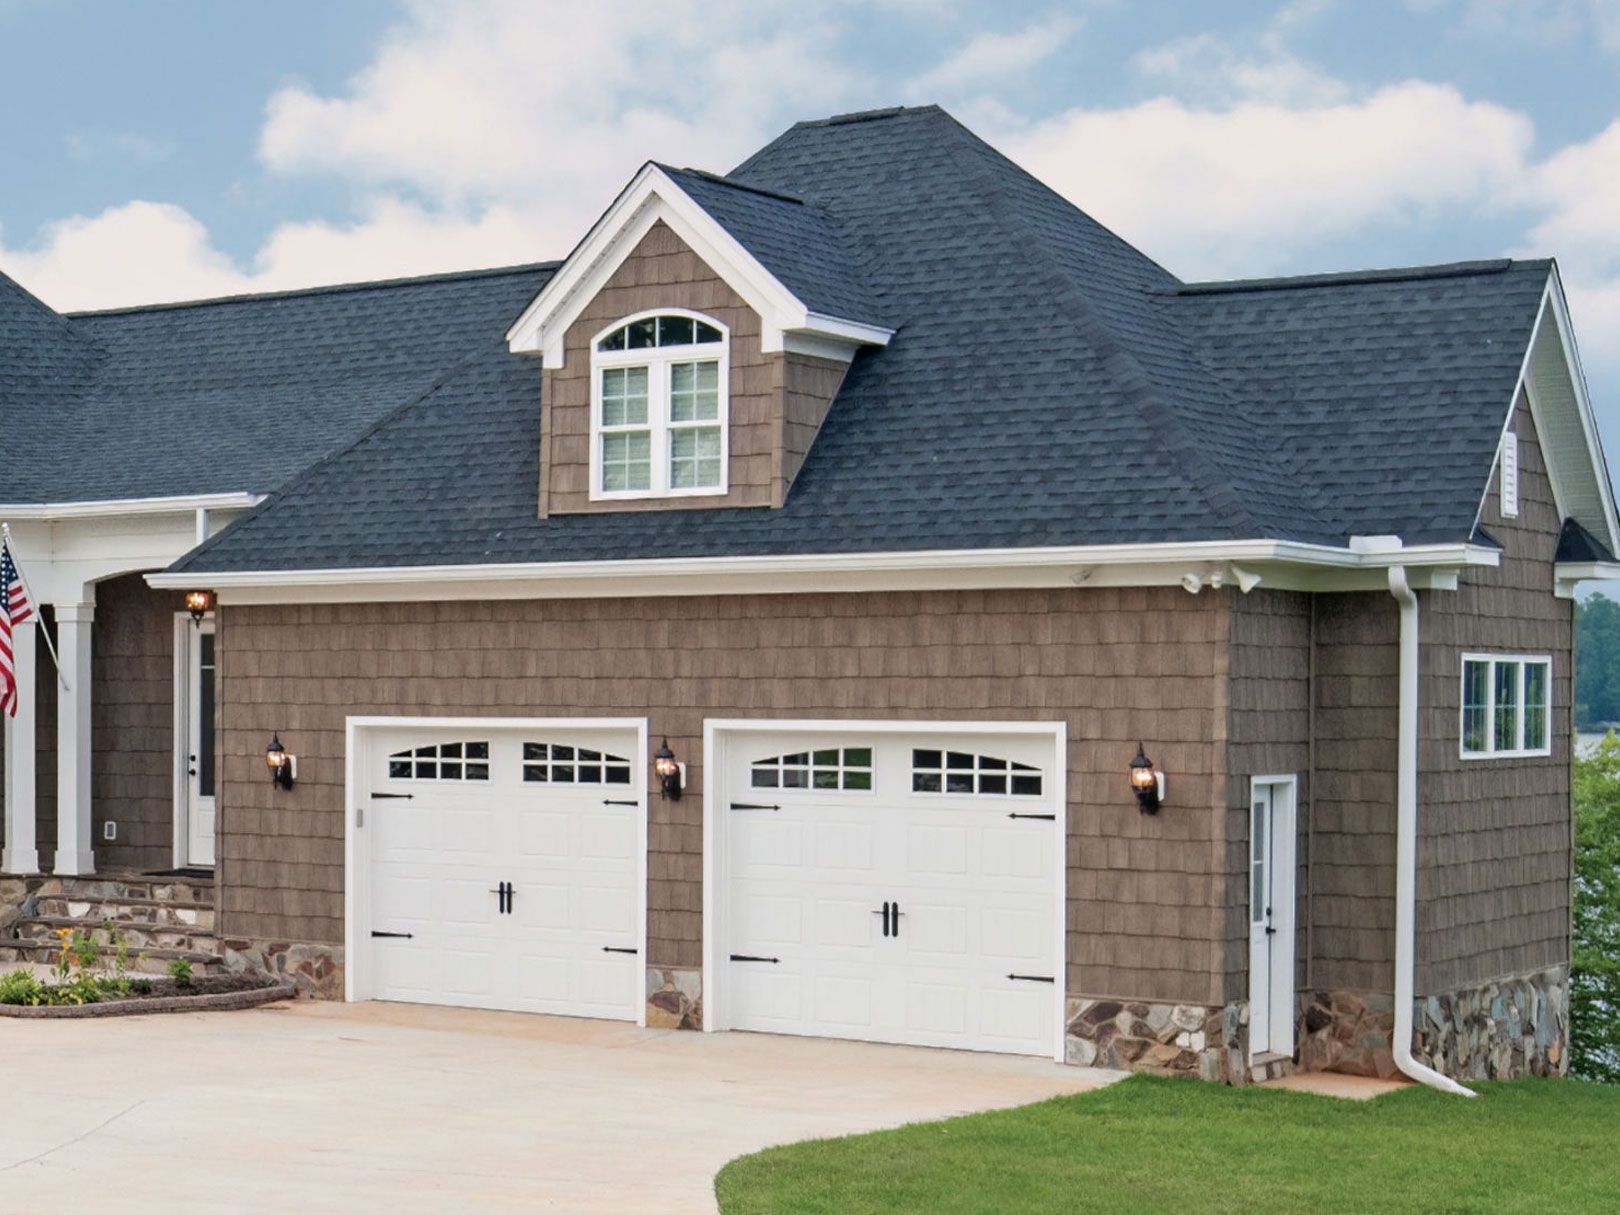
[(230, 395), (1047, 385)]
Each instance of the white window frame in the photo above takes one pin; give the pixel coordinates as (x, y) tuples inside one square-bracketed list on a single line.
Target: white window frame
[(1492, 752), (658, 360)]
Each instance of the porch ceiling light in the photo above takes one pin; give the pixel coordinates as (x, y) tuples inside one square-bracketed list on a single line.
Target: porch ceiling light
[(671, 773), (280, 763), (1147, 782), (199, 604)]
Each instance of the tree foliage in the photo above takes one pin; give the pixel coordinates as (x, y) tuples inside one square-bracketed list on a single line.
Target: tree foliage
[(1597, 662), (1595, 981)]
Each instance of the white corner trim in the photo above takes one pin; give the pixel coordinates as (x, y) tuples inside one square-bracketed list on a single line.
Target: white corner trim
[(182, 504), (653, 195)]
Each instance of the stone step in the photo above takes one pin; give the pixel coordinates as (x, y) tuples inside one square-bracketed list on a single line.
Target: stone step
[(148, 962), (137, 937), (99, 910), (192, 892)]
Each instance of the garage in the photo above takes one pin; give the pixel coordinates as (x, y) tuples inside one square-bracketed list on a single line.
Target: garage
[(889, 882), (498, 863)]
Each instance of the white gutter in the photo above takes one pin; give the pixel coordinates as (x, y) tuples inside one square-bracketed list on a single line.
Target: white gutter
[(109, 507), (659, 568), (1406, 763)]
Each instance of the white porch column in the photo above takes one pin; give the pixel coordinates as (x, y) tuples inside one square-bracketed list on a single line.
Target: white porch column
[(75, 852), (21, 854)]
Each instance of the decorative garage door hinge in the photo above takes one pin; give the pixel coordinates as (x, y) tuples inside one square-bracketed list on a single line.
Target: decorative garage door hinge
[(618, 949), (619, 801), (1032, 978), (752, 806), (1051, 818), (397, 796), (403, 935), (748, 957)]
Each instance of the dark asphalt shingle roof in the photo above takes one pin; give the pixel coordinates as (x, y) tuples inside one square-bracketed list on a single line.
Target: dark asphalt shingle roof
[(239, 394), (1047, 385)]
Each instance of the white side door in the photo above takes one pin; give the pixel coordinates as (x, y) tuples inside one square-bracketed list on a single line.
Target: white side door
[(1271, 916), (893, 888), (199, 743)]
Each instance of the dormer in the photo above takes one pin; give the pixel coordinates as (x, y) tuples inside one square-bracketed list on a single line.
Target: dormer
[(691, 347)]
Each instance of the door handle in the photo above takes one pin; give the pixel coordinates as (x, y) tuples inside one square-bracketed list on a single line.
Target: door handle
[(894, 916), (505, 890), (885, 914)]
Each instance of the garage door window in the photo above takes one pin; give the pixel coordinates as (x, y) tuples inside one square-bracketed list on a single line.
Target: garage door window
[(441, 761), (961, 772), (848, 768), (560, 764)]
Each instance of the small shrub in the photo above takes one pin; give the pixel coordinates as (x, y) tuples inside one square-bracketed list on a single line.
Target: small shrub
[(20, 987), (180, 972)]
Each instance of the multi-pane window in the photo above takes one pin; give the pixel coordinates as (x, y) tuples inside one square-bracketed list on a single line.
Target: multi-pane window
[(962, 772), (559, 764), (831, 768), (659, 417), (441, 761), (1506, 705)]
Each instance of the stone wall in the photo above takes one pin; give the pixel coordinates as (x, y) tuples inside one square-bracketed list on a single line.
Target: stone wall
[(1347, 1031), (315, 970), (674, 998), (1166, 1039), (1499, 1030)]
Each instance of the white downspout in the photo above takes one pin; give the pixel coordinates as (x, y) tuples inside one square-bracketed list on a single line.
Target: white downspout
[(1406, 763)]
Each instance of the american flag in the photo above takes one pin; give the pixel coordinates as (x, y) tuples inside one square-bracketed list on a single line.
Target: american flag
[(15, 608)]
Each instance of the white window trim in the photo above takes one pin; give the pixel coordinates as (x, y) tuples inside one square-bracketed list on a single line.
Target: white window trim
[(657, 360), (1524, 660)]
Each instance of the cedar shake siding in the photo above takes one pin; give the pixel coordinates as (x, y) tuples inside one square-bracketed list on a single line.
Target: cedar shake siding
[(1268, 735), (777, 402), (1148, 896), (132, 730), (1494, 853)]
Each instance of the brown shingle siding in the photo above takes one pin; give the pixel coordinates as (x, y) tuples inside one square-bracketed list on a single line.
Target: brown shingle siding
[(930, 655)]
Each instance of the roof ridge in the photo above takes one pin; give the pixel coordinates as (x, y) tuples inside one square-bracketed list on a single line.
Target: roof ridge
[(1393, 274), (380, 284), (720, 179), (874, 115)]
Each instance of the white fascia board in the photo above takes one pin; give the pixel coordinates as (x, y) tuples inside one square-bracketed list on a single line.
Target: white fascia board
[(1583, 399), (1568, 575), (110, 507), (653, 195), (1086, 565)]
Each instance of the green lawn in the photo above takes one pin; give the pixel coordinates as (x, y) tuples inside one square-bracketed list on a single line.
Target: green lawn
[(1180, 1146)]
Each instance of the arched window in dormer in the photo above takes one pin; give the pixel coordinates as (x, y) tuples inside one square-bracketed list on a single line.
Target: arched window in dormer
[(659, 407)]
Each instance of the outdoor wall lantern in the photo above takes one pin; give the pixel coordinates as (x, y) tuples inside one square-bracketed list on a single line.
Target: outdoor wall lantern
[(283, 767), (199, 604), (671, 773), (1147, 782)]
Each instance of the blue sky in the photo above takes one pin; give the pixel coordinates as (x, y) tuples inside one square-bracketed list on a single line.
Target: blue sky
[(194, 148)]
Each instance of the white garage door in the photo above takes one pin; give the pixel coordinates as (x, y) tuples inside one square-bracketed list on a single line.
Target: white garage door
[(501, 866), (893, 887)]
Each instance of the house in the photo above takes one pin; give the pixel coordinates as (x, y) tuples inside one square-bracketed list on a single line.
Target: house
[(857, 595)]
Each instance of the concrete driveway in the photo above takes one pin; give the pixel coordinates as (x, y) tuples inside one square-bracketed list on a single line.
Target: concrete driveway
[(316, 1107)]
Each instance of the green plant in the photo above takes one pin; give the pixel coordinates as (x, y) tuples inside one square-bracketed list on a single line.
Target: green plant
[(20, 987), (180, 972), (1594, 985)]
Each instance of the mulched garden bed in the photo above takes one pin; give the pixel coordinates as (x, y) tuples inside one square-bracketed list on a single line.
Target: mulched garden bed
[(204, 993)]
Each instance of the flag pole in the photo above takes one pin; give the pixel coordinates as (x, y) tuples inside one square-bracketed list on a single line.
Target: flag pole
[(39, 608)]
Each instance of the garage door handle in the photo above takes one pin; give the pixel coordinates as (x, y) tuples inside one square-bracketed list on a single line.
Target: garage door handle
[(1032, 978), (748, 957), (885, 914)]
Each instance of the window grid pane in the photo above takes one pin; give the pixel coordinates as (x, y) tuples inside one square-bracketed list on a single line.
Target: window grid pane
[(846, 768), (1536, 706), (694, 457), (1506, 700), (1476, 706), (624, 396), (959, 772), (626, 460), (561, 764), (441, 761)]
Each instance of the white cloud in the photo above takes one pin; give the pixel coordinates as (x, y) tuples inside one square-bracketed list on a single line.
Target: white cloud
[(992, 56), (1247, 188)]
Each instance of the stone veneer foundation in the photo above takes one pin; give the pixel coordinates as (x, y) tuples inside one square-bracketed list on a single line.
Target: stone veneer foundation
[(315, 970), (674, 998), (1517, 1026), (1169, 1039)]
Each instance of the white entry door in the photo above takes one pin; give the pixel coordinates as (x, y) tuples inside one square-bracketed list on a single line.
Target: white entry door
[(1271, 916), (501, 866), (197, 742), (893, 887)]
